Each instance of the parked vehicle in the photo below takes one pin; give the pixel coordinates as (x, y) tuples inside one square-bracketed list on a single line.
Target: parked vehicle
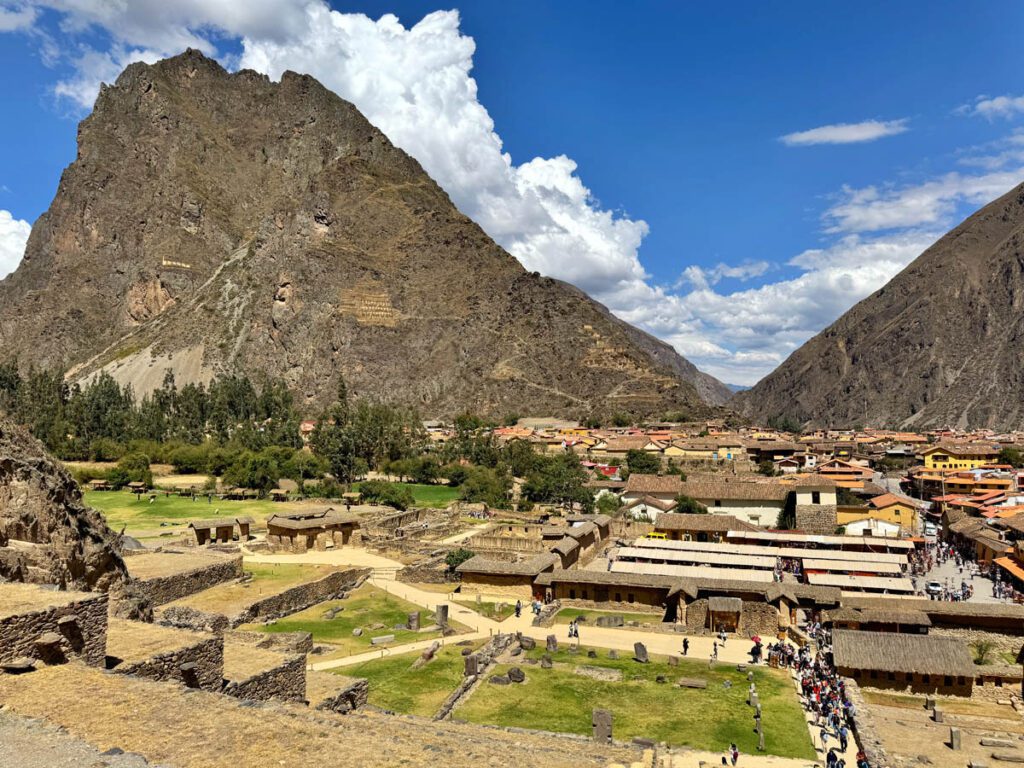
[(933, 587)]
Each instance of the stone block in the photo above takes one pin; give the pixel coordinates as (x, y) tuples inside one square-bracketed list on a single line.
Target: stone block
[(692, 682), (673, 661), (610, 621), (382, 639), (640, 653), (516, 675), (499, 680), (527, 643), (472, 665), (601, 720), (545, 662), (551, 644), (441, 616), (954, 738), (413, 623), (938, 715)]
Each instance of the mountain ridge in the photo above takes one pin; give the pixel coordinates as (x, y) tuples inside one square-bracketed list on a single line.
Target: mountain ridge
[(935, 347), (216, 223)]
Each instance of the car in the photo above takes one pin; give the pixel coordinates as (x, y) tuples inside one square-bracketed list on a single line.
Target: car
[(654, 535), (933, 587)]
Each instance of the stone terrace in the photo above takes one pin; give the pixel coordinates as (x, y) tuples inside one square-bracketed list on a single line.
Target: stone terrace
[(41, 623), (168, 724), (257, 674), (162, 653), (171, 575)]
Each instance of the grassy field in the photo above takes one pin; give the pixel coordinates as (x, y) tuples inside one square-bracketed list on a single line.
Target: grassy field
[(394, 685), (490, 610), (123, 508), (436, 496), (565, 615), (560, 700), (365, 607)]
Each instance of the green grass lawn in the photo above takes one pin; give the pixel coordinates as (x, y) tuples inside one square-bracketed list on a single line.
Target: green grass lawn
[(366, 606), (436, 496), (565, 615), (560, 700), (123, 508), (394, 685), (490, 610)]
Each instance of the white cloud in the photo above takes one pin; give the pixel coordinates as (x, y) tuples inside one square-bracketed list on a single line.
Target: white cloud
[(870, 209), (846, 133), (991, 107), (414, 83), (16, 17), (13, 236)]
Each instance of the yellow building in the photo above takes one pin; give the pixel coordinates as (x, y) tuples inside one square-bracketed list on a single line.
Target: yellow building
[(953, 456), (888, 507)]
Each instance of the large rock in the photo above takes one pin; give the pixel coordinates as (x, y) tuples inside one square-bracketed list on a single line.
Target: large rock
[(224, 223), (42, 505)]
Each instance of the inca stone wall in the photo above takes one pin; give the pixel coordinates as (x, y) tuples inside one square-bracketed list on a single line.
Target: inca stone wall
[(756, 618), (81, 626), (349, 698), (331, 587), (816, 518), (197, 666), (166, 589), (184, 617), (286, 681)]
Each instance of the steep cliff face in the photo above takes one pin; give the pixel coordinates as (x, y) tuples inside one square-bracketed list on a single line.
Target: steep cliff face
[(218, 222), (939, 345), (47, 535)]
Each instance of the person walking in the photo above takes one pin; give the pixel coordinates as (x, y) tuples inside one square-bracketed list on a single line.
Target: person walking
[(714, 650), (686, 646), (519, 608), (844, 737), (824, 738), (734, 754)]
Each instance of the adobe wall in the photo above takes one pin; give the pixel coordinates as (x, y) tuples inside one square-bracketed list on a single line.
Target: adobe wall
[(513, 587), (586, 597), (622, 528), (817, 518), (989, 690), (961, 686), (207, 656), (166, 589), (85, 637), (1001, 643), (285, 681)]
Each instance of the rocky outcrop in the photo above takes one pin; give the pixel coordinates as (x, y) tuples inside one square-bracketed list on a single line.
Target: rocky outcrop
[(47, 534), (220, 223), (939, 345)]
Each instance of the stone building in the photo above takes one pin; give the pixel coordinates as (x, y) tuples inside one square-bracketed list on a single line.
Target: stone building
[(221, 530), (515, 579), (686, 527), (814, 504), (303, 531)]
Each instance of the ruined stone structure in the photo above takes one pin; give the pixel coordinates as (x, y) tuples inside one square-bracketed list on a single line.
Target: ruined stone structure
[(52, 626), (287, 681), (165, 589)]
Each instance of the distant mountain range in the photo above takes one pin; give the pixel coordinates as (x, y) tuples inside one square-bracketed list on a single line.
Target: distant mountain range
[(219, 223), (940, 345)]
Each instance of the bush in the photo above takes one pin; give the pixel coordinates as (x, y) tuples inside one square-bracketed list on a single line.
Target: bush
[(132, 468), (389, 494), (457, 557)]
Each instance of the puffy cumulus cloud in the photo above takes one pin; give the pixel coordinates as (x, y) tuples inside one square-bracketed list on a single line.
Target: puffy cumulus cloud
[(991, 107), (846, 133), (13, 236), (414, 83), (871, 209)]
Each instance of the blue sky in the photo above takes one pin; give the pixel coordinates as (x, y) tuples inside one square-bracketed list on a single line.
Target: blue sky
[(646, 160)]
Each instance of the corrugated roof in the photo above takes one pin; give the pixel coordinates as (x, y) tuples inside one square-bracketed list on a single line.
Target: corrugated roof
[(645, 554), (844, 581)]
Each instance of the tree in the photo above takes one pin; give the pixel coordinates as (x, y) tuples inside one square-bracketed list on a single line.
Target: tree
[(258, 471), (559, 480), (767, 468), (457, 557), (982, 650), (687, 505), (608, 504), (641, 462), (388, 494), (1012, 456), (132, 468), (487, 486)]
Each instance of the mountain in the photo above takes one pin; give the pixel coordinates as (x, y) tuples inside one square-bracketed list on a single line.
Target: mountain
[(219, 223), (939, 345)]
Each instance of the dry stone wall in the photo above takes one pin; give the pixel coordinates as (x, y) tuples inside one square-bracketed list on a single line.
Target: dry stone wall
[(286, 642), (816, 518), (298, 598), (81, 627), (166, 589), (197, 666), (349, 698), (285, 681)]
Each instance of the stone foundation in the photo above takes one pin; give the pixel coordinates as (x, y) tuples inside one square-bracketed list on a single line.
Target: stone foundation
[(348, 698)]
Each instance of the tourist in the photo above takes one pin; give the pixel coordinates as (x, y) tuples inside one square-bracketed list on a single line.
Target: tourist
[(714, 650), (686, 646), (734, 754), (519, 608), (844, 737)]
